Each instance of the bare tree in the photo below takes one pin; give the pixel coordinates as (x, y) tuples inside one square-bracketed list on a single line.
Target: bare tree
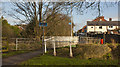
[(42, 11), (30, 9)]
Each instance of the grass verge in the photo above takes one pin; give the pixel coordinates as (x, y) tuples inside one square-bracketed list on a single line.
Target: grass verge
[(52, 60)]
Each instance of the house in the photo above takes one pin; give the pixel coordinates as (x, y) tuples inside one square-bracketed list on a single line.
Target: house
[(82, 31), (100, 26)]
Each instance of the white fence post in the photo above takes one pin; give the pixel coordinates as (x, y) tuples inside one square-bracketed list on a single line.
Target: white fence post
[(16, 43), (71, 55), (45, 47), (54, 49)]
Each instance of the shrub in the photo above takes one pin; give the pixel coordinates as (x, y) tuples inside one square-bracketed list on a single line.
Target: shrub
[(91, 51), (85, 51), (107, 56)]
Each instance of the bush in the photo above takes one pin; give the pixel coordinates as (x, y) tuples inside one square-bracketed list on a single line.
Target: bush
[(107, 56), (63, 52), (9, 31), (91, 51), (84, 51)]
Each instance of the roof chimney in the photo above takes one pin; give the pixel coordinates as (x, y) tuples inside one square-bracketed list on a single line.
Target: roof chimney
[(110, 19)]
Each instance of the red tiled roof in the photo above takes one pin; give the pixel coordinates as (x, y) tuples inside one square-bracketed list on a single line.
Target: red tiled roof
[(84, 28), (100, 18)]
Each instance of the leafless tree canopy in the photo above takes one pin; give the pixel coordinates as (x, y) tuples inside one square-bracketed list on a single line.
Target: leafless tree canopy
[(43, 10), (47, 11)]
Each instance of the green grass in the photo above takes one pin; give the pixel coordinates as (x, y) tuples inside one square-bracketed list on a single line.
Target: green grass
[(51, 60), (69, 46), (11, 53)]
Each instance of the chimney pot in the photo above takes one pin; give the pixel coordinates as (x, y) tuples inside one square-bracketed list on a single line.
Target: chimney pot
[(110, 19)]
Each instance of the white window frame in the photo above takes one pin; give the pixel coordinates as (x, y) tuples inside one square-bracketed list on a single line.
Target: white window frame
[(110, 26)]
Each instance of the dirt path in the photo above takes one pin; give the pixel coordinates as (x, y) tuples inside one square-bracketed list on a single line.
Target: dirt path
[(14, 60)]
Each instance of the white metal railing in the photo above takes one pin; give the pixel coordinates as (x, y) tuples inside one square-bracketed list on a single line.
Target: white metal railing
[(60, 39)]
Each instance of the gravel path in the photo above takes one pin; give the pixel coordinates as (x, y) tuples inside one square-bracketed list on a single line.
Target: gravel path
[(14, 60)]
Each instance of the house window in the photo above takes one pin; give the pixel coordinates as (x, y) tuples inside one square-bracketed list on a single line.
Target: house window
[(110, 26), (100, 27), (91, 27)]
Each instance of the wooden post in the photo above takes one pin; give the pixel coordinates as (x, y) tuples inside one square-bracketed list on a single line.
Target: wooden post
[(16, 44), (54, 49), (99, 40), (80, 39), (86, 40), (104, 38)]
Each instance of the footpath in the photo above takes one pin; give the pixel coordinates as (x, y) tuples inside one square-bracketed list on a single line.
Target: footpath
[(17, 59)]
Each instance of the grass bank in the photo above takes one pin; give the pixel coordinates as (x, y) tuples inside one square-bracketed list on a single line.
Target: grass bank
[(52, 60)]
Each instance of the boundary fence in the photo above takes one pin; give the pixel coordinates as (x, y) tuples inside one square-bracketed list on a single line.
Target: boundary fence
[(22, 43), (23, 40), (89, 40)]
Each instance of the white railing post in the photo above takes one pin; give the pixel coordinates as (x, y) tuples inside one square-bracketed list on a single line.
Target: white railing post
[(54, 49), (16, 43), (45, 47), (71, 54)]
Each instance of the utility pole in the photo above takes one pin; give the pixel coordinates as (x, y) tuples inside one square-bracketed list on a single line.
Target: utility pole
[(40, 21), (43, 40)]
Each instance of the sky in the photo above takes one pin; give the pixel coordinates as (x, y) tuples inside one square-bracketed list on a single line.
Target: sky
[(78, 19)]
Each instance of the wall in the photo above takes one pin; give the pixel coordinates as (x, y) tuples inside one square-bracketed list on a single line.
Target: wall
[(114, 27), (96, 28)]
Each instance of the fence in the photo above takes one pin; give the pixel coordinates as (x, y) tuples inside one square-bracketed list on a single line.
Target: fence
[(62, 41), (108, 37), (23, 44), (89, 40)]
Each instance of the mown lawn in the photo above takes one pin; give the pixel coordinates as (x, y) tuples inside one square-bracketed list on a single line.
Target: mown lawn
[(11, 53), (52, 60)]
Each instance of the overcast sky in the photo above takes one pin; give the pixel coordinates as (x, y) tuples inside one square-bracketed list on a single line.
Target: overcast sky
[(79, 20)]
